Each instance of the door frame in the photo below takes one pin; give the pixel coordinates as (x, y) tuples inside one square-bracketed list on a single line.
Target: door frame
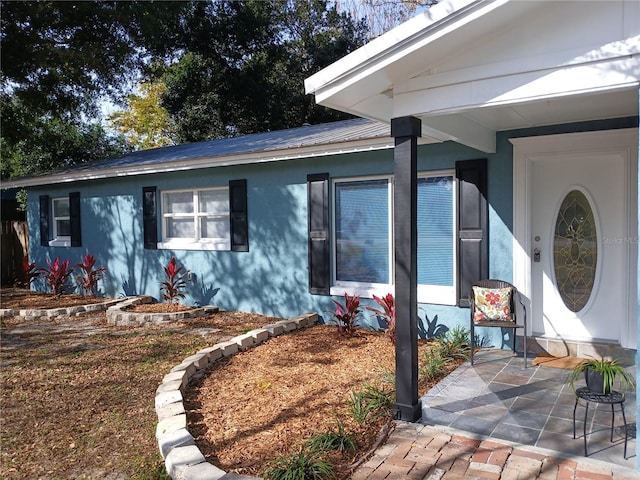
[(528, 149)]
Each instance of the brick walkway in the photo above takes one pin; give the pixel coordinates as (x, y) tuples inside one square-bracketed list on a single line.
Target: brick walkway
[(417, 452)]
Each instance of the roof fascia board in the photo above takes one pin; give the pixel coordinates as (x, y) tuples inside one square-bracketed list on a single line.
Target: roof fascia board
[(363, 145), (617, 74), (397, 43)]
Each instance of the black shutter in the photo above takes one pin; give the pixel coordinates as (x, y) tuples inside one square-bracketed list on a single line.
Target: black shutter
[(238, 216), (149, 218), (473, 215), (318, 226), (74, 219), (44, 220)]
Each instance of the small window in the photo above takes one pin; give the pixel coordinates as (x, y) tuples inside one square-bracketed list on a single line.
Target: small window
[(436, 239), (61, 222), (196, 219)]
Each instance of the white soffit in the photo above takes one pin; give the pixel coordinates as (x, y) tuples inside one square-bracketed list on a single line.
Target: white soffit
[(494, 65)]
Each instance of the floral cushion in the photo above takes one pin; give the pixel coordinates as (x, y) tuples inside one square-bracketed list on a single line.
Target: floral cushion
[(492, 304)]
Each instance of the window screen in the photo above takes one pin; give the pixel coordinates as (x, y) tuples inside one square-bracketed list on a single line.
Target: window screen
[(362, 231), (435, 231)]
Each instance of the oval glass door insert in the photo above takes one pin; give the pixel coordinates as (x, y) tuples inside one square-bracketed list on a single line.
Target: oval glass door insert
[(575, 250)]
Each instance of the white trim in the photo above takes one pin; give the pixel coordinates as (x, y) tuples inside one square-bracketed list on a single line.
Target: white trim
[(623, 49), (60, 242), (419, 32), (519, 88), (525, 151), (437, 294), (429, 67), (366, 288), (362, 290), (175, 244)]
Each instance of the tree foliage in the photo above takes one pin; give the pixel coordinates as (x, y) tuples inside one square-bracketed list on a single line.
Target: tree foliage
[(145, 123), (244, 66), (32, 143), (382, 15), (229, 68), (59, 59), (64, 56)]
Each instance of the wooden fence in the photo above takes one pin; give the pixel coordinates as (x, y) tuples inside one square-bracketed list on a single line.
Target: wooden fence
[(14, 246)]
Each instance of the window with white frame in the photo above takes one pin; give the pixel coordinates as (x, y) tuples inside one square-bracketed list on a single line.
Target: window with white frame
[(436, 238), (363, 240), (196, 219), (61, 221)]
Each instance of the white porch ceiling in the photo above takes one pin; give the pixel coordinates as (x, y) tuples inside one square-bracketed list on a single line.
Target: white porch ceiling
[(477, 127)]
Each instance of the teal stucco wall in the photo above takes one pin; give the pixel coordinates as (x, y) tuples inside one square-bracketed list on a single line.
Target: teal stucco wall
[(272, 278)]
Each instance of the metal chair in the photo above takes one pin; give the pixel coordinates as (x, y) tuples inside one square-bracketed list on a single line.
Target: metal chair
[(512, 324)]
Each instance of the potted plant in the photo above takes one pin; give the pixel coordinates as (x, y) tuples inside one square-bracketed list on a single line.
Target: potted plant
[(600, 375)]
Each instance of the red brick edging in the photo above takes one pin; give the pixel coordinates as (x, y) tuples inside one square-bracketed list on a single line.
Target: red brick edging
[(417, 452)]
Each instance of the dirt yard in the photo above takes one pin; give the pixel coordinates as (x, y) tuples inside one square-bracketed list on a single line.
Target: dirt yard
[(77, 395)]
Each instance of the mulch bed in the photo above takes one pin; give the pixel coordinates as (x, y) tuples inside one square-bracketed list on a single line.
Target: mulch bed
[(24, 299), (159, 308), (266, 401)]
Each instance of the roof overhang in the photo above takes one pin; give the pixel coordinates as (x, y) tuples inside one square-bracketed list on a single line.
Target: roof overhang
[(470, 68), (371, 140)]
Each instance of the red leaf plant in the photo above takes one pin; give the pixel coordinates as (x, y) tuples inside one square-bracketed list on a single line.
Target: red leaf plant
[(174, 284), (56, 275), (88, 278), (346, 315), (31, 271), (387, 313)]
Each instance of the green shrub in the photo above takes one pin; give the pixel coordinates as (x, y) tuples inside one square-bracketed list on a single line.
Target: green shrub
[(371, 403), (359, 409), (458, 336), (454, 345), (338, 440), (304, 465), (433, 366), (388, 377)]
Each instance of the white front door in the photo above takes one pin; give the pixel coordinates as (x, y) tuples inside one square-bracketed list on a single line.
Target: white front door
[(580, 242)]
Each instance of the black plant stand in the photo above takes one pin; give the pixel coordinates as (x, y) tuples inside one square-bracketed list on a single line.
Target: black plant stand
[(630, 432), (588, 396)]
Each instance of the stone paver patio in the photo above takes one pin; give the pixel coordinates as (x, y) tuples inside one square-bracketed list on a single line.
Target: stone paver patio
[(496, 420)]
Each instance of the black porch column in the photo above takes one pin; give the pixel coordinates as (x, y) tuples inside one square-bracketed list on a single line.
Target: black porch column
[(406, 131)]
